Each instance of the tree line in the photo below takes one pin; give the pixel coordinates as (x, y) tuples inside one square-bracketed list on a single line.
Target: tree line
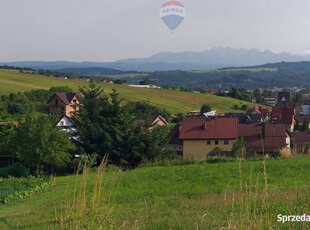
[(106, 126)]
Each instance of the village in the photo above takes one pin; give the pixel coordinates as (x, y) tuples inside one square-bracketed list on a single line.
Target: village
[(283, 130)]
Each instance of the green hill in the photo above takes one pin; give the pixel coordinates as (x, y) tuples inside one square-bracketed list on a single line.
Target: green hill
[(173, 101)]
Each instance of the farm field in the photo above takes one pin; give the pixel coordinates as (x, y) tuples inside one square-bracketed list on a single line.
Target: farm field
[(173, 101), (200, 196)]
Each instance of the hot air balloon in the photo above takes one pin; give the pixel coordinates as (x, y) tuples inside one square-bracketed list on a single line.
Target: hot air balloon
[(172, 13)]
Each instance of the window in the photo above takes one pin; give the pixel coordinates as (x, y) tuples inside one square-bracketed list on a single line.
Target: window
[(208, 142), (226, 142), (216, 142), (56, 102)]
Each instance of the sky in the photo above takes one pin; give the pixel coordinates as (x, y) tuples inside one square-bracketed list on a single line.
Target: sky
[(108, 30)]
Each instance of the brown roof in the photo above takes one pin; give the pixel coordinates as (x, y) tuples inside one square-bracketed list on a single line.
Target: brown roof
[(66, 97), (263, 137), (283, 115), (302, 118), (204, 128), (300, 138)]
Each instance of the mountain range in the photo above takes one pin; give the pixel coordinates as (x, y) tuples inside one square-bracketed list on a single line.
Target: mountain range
[(210, 59)]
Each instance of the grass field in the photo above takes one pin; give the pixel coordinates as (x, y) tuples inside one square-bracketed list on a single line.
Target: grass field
[(173, 101), (233, 195)]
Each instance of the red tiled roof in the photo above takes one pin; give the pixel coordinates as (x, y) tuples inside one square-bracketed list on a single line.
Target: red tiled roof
[(276, 113), (263, 137), (300, 138), (66, 97), (204, 128), (259, 110), (283, 115)]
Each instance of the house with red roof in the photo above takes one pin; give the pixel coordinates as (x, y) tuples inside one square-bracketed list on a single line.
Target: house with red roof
[(201, 135), (283, 115), (264, 138), (259, 110), (65, 103), (212, 91)]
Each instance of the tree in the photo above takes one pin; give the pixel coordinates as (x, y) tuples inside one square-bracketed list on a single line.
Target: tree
[(239, 148), (205, 108), (40, 143), (105, 126), (258, 96), (305, 125), (299, 97)]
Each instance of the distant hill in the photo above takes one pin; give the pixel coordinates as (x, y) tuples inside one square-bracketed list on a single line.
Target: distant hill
[(210, 59), (283, 74), (91, 71)]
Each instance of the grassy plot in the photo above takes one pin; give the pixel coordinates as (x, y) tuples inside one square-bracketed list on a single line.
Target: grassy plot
[(173, 101), (247, 195)]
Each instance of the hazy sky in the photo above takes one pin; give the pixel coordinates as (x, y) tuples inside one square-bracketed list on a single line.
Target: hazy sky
[(107, 30)]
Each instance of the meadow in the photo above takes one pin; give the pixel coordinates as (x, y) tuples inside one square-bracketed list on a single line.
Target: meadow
[(173, 101), (232, 195)]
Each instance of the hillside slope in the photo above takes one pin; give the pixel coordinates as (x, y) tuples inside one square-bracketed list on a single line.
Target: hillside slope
[(173, 101)]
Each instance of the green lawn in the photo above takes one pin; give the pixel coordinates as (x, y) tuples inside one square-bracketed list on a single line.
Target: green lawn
[(200, 196), (173, 101)]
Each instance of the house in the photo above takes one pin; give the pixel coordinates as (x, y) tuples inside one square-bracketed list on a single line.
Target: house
[(270, 98), (146, 86), (65, 103), (210, 114), (201, 135), (300, 138), (107, 80), (84, 78), (264, 138), (212, 91), (284, 97), (67, 125), (158, 121), (283, 116), (194, 113), (306, 107), (256, 111), (175, 142), (245, 118), (300, 119)]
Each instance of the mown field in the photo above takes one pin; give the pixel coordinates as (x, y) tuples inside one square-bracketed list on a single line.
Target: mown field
[(246, 195), (173, 101)]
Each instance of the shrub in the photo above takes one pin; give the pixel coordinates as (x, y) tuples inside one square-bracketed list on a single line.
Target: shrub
[(16, 170), (215, 152)]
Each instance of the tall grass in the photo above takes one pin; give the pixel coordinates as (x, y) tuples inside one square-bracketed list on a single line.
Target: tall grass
[(132, 199), (90, 208)]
